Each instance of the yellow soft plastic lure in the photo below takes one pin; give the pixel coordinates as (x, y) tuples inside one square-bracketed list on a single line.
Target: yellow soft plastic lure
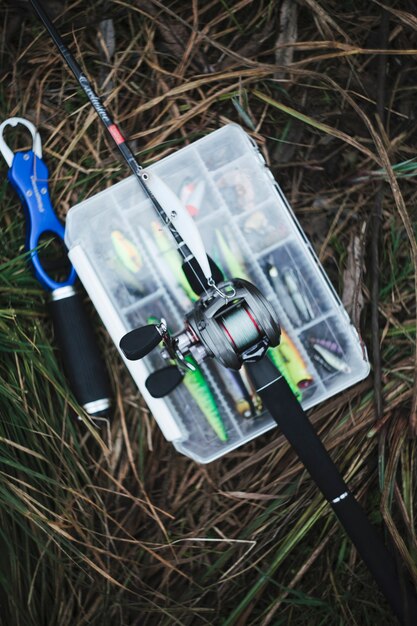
[(126, 252), (291, 364), (202, 395)]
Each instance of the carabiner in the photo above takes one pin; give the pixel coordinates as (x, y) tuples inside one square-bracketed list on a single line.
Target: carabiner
[(29, 176), (14, 121)]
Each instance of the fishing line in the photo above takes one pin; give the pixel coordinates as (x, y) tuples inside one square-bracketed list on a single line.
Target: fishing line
[(240, 327)]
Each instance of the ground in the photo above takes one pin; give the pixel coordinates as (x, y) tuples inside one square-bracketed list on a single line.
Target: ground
[(100, 534)]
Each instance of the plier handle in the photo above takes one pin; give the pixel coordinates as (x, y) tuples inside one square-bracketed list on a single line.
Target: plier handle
[(29, 175)]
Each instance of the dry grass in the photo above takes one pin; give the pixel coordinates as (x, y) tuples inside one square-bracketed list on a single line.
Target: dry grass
[(138, 534)]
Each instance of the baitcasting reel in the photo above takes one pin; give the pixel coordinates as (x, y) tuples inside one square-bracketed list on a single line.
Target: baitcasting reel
[(232, 322)]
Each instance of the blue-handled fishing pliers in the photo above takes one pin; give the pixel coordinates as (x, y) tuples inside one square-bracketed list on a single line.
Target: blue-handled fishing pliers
[(29, 175)]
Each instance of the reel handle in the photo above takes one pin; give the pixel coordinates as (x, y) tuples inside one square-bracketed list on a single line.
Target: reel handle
[(139, 342), (161, 382)]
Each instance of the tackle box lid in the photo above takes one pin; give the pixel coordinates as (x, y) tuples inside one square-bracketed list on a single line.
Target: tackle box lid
[(131, 270)]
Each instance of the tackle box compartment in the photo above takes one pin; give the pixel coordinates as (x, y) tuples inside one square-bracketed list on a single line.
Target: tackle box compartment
[(131, 270)]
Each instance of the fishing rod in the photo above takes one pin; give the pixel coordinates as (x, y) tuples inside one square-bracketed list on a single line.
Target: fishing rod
[(234, 323)]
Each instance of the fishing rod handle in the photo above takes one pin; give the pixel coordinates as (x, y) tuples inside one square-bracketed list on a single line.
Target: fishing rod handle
[(83, 363), (295, 425)]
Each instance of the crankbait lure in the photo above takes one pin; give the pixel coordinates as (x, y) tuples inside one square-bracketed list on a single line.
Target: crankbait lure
[(295, 363), (127, 263), (203, 397), (126, 252), (281, 363), (329, 355)]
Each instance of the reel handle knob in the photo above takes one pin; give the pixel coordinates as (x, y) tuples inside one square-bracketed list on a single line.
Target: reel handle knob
[(163, 381), (139, 342)]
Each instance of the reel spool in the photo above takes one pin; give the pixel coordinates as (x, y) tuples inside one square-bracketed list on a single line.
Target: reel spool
[(235, 325), (232, 322)]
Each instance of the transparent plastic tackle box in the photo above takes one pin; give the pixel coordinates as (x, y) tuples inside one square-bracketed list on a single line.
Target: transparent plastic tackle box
[(132, 272)]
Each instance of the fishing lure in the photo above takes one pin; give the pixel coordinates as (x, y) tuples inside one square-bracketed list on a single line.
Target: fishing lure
[(286, 302), (281, 363), (165, 270), (127, 263), (126, 252), (238, 392), (263, 230), (235, 268), (250, 390), (216, 256), (238, 191), (191, 196), (329, 355), (295, 362), (292, 283), (256, 223), (203, 397), (172, 259), (235, 247), (287, 358)]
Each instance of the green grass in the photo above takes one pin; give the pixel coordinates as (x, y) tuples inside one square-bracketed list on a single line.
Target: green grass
[(115, 527)]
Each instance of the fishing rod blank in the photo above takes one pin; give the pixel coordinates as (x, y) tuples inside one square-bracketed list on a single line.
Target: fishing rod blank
[(193, 265)]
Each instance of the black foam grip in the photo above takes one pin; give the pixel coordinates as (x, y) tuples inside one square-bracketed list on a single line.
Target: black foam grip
[(81, 358), (294, 424), (161, 382), (387, 570)]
